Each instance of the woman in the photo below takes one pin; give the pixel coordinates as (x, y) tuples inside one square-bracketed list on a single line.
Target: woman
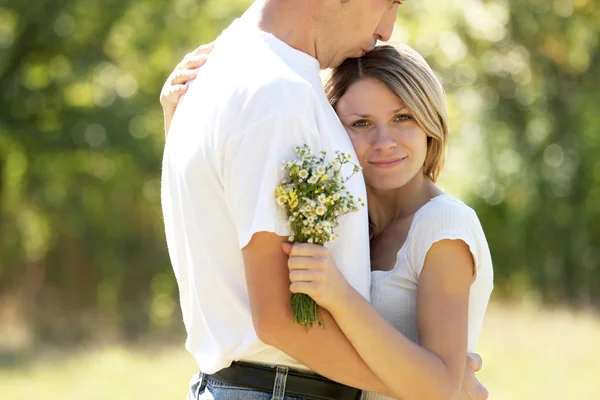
[(431, 267)]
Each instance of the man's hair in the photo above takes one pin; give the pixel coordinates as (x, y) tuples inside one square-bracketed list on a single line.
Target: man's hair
[(408, 75)]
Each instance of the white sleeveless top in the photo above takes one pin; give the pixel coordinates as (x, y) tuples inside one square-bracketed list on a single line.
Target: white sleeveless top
[(394, 292)]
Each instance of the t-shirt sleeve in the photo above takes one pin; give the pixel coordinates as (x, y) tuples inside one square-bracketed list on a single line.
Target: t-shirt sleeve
[(252, 171), (445, 220)]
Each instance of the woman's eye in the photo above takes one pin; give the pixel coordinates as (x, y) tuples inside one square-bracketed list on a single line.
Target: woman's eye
[(402, 117), (360, 124)]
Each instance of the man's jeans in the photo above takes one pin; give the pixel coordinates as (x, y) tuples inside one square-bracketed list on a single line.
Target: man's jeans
[(203, 387)]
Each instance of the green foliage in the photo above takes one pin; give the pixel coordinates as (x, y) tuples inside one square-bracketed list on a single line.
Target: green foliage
[(81, 137), (82, 249)]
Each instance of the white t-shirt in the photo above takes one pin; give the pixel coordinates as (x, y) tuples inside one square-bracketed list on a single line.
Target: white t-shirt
[(394, 292), (253, 102)]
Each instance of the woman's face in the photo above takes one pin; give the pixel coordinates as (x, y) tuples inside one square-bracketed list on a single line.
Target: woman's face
[(390, 145)]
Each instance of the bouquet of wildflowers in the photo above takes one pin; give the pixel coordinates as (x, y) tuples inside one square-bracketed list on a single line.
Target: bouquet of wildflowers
[(314, 196)]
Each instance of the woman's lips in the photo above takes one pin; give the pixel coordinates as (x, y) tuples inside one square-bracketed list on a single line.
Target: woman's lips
[(388, 163)]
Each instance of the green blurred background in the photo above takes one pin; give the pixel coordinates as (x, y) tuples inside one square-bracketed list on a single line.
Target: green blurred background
[(88, 302)]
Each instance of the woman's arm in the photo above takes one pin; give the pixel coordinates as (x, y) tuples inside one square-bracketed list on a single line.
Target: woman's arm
[(175, 86), (435, 368)]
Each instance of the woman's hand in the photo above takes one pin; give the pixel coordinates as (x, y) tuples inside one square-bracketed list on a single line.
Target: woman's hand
[(313, 272), (185, 71)]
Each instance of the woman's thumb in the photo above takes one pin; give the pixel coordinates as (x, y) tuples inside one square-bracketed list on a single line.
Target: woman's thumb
[(287, 247)]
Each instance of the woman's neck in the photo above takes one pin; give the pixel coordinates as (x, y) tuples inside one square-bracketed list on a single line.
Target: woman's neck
[(387, 206)]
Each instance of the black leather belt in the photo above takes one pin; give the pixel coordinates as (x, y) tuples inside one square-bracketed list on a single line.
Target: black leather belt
[(298, 384)]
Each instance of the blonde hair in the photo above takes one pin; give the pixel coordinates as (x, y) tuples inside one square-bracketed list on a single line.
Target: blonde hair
[(408, 75)]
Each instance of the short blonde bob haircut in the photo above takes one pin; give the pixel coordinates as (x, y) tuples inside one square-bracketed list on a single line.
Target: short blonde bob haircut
[(408, 75)]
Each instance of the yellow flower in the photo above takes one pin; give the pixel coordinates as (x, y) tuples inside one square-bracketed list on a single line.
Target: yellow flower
[(324, 177)]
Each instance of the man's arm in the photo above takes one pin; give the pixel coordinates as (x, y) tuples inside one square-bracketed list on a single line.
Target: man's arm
[(325, 350)]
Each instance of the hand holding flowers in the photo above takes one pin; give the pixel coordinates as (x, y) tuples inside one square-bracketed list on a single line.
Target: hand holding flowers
[(315, 197), (314, 273)]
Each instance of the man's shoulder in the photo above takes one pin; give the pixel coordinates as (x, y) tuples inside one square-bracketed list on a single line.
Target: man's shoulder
[(259, 93), (255, 70), (279, 91)]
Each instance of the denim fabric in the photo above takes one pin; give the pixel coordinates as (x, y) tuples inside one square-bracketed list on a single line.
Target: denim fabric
[(203, 387)]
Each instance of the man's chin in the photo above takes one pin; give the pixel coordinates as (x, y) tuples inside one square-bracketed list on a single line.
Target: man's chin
[(337, 63), (359, 53)]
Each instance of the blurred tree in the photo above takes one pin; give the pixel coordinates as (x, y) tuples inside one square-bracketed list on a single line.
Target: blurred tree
[(81, 236)]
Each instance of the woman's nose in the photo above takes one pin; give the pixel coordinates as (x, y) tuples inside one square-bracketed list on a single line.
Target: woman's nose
[(383, 140)]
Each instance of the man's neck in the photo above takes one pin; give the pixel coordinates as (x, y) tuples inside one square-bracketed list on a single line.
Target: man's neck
[(289, 21)]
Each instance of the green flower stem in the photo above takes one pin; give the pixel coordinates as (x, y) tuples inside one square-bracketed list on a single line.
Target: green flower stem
[(306, 310)]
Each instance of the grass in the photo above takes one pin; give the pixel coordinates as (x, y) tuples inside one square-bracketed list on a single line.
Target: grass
[(528, 353), (541, 354)]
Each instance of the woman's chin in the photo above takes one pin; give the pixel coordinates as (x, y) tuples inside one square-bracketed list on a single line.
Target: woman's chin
[(385, 184)]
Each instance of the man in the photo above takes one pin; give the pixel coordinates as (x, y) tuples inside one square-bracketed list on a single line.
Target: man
[(261, 97)]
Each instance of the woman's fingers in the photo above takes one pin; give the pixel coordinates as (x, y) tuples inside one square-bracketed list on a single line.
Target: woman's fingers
[(308, 250), (186, 70), (178, 89), (307, 263), (203, 49), (196, 55), (170, 95), (306, 275), (183, 76), (474, 361), (193, 62)]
